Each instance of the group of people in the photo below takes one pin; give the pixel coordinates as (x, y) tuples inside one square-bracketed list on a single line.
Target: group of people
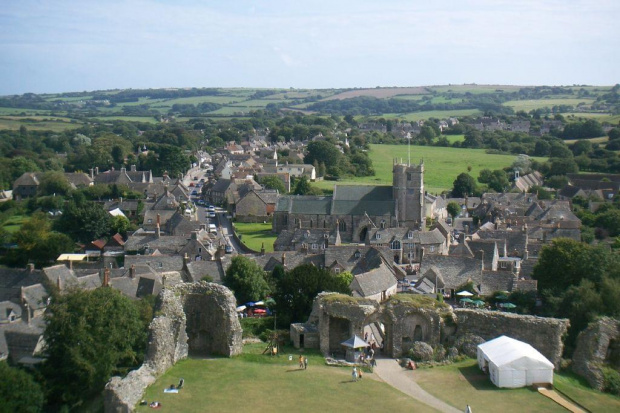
[(357, 373)]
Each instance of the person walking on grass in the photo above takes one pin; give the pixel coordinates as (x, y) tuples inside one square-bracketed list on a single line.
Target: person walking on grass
[(359, 373), (305, 363), (354, 374), (301, 361)]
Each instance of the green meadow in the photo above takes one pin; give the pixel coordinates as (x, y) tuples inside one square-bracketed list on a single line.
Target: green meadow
[(254, 235), (528, 105), (441, 165)]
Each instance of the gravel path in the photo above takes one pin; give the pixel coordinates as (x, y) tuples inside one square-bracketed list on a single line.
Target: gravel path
[(399, 378)]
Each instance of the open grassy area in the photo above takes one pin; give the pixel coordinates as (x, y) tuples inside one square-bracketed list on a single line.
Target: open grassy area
[(601, 117), (254, 235), (441, 114), (260, 383), (474, 89), (463, 383), (600, 139), (14, 223), (14, 123), (147, 119), (441, 165), (528, 105)]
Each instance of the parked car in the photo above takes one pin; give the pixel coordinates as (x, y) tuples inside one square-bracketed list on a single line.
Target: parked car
[(228, 249), (211, 214)]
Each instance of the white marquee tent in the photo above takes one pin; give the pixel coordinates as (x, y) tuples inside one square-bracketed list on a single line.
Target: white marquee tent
[(513, 363)]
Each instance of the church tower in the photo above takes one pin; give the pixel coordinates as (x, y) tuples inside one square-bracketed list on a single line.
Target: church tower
[(408, 193)]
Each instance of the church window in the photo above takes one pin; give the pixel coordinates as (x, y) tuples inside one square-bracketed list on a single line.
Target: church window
[(395, 245), (409, 176), (285, 219), (311, 223), (342, 226)]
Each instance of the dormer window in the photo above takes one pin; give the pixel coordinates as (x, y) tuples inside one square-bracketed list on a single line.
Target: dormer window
[(337, 270), (357, 254), (378, 236), (410, 234)]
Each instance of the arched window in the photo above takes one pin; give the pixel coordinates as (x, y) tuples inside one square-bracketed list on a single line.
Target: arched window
[(395, 245), (342, 226)]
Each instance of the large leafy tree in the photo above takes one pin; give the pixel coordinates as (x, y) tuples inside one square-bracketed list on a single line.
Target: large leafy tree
[(297, 289), (84, 221), (323, 151), (246, 279), (463, 185), (90, 336), (18, 391), (566, 262), (273, 182)]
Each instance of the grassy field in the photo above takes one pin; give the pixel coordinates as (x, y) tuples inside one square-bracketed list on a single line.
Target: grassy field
[(147, 119), (254, 235), (601, 117), (474, 89), (253, 382), (600, 139), (441, 165), (14, 223), (14, 123), (20, 111), (468, 385), (455, 138), (441, 114), (528, 105)]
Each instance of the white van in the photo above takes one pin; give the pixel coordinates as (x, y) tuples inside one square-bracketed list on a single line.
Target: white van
[(212, 229)]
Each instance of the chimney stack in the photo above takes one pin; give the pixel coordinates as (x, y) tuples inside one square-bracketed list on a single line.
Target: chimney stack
[(185, 260), (106, 278), (158, 230), (284, 259), (92, 173), (30, 267), (132, 271), (133, 168), (27, 311)]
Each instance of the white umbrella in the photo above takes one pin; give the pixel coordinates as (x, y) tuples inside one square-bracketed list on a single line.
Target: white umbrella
[(464, 294), (259, 303), (241, 308)]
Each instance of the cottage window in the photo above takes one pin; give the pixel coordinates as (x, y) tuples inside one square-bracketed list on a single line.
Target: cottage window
[(199, 249), (337, 270), (357, 254), (314, 246), (150, 221), (161, 265), (503, 264), (432, 248)]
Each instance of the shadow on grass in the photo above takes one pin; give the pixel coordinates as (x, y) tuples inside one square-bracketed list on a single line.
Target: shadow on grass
[(294, 370), (481, 381)]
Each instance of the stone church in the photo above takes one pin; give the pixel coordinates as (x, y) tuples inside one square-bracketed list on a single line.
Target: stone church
[(357, 209)]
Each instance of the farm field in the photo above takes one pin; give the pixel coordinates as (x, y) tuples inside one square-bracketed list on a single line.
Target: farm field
[(468, 385), (194, 100), (601, 117), (474, 89), (379, 92), (528, 105), (262, 383), (20, 111), (601, 139), (415, 116), (14, 123), (441, 165), (147, 119), (254, 235)]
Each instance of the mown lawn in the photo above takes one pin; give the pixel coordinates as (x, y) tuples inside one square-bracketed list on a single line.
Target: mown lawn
[(532, 104), (441, 165), (254, 235), (253, 382), (463, 383), (14, 223)]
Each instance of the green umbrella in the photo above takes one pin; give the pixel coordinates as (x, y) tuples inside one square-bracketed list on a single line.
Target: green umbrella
[(466, 300), (508, 305), (478, 302), (501, 297)]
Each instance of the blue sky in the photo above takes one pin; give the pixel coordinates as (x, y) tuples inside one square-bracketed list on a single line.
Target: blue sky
[(56, 46)]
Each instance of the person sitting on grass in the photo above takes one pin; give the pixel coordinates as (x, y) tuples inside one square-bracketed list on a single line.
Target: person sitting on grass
[(181, 382)]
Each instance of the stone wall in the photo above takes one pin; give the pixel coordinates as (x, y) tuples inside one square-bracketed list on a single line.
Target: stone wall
[(544, 334), (594, 347), (197, 317)]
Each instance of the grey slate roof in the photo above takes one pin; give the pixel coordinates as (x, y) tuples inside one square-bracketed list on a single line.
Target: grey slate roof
[(215, 269), (374, 281), (159, 263)]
